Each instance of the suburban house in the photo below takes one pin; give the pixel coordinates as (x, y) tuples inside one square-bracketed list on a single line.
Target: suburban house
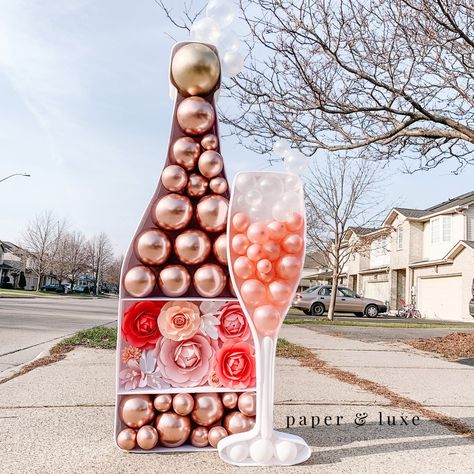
[(316, 272), (13, 261)]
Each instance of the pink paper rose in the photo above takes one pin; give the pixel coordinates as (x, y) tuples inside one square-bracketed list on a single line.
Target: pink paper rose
[(233, 324), (179, 320), (235, 365)]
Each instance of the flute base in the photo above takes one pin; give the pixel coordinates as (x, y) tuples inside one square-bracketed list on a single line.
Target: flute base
[(251, 449)]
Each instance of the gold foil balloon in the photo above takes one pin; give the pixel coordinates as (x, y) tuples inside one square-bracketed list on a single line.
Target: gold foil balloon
[(195, 69), (136, 410), (147, 437), (236, 422), (199, 437), (174, 178), (163, 402), (210, 164), (216, 433), (197, 185), (218, 185), (183, 403), (211, 213), (186, 152), (173, 212), (209, 142), (174, 280), (230, 400), (173, 429), (248, 403), (209, 280), (220, 249), (208, 409), (192, 247), (139, 281), (195, 115), (152, 247), (127, 439)]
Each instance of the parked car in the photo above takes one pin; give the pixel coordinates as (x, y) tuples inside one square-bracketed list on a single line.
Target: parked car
[(54, 287), (81, 289), (471, 303), (315, 301)]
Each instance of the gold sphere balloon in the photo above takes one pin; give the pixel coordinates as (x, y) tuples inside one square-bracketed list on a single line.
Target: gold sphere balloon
[(152, 247), (220, 249), (216, 433), (195, 69), (147, 437), (230, 399), (174, 178), (195, 115), (186, 152), (197, 185), (209, 142), (248, 403), (173, 430), (199, 437), (210, 164), (236, 422), (139, 281), (174, 281), (208, 409), (183, 403), (127, 439), (192, 247), (218, 185), (211, 213), (163, 402), (173, 212), (209, 280), (136, 410)]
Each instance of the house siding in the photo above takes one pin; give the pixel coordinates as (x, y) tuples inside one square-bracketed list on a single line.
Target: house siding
[(470, 222)]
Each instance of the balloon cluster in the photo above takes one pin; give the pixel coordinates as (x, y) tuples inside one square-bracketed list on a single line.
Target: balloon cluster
[(214, 29), (170, 421), (295, 162)]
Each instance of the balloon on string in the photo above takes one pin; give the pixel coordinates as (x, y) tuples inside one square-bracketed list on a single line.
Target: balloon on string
[(222, 12), (281, 148), (232, 63), (205, 30)]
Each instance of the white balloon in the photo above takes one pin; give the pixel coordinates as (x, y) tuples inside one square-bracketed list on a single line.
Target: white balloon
[(296, 162), (240, 204), (286, 451), (245, 182), (227, 41), (205, 30), (232, 63), (238, 452), (293, 182), (259, 213), (281, 148), (280, 212), (261, 450), (253, 197), (291, 200), (221, 11), (271, 186)]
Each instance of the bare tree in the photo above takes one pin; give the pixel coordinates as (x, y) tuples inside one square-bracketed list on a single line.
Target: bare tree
[(112, 274), (100, 257), (75, 252)]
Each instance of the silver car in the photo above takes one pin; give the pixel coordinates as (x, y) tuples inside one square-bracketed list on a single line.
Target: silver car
[(315, 301)]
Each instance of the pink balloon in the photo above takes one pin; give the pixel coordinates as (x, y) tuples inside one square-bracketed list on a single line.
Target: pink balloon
[(240, 221), (288, 267), (292, 243), (257, 233), (266, 277), (255, 252), (253, 292), (276, 230), (240, 244), (272, 250), (264, 266), (266, 319), (295, 222), (279, 291), (244, 268)]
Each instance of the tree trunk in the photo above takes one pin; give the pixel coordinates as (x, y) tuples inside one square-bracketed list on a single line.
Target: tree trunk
[(332, 303), (38, 284)]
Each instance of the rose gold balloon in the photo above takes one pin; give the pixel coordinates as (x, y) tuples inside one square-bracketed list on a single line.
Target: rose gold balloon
[(236, 422), (288, 267), (211, 213), (127, 439), (147, 437), (218, 185), (220, 249), (266, 319), (292, 243), (199, 437), (136, 410), (253, 292), (173, 212), (215, 434), (186, 152), (209, 280), (192, 247), (173, 429), (139, 281), (208, 409), (248, 403), (209, 142), (174, 280), (195, 115), (197, 185), (152, 247), (210, 164), (163, 402), (183, 403), (230, 399), (174, 178)]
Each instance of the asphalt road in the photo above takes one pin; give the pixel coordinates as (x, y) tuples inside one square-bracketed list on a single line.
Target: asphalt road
[(30, 326)]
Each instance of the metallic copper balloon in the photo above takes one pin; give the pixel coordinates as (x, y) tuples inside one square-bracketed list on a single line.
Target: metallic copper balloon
[(218, 185), (163, 402), (210, 142), (186, 152), (139, 281), (197, 185), (147, 437), (230, 399), (127, 439), (136, 410), (199, 437), (183, 403), (208, 409), (192, 247), (173, 212), (174, 280), (220, 249), (211, 213), (195, 115), (248, 403), (195, 69), (236, 422), (174, 178), (173, 429), (209, 280), (152, 247), (216, 433), (210, 164)]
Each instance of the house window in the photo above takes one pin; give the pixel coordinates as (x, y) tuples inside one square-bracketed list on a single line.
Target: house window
[(441, 229), (399, 237)]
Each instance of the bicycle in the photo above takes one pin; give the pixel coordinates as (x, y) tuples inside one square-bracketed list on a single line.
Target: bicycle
[(408, 311)]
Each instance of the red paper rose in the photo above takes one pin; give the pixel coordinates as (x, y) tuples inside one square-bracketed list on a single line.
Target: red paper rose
[(233, 323), (140, 326), (235, 364)]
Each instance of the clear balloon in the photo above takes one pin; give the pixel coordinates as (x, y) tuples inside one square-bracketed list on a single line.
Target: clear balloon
[(293, 183), (295, 162), (222, 12), (205, 30), (271, 186), (232, 63), (280, 212), (281, 148), (228, 41), (254, 197), (245, 183)]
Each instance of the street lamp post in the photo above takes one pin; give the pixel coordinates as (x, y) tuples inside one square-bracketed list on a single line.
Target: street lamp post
[(15, 174)]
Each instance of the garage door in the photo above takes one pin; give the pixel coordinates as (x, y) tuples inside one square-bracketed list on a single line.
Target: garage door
[(440, 298), (377, 290)]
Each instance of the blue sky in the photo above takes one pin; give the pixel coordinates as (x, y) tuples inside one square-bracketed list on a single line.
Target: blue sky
[(85, 110)]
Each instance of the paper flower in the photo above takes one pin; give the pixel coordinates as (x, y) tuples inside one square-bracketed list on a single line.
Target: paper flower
[(213, 380), (179, 320), (233, 323), (235, 364), (139, 325), (131, 376), (209, 325), (130, 353)]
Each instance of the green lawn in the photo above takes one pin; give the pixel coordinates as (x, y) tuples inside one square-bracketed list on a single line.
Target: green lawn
[(23, 293), (100, 337)]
